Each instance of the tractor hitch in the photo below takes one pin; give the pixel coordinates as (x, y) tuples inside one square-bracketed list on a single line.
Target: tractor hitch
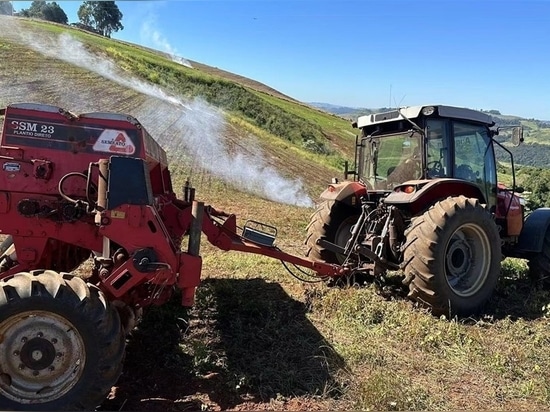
[(361, 250)]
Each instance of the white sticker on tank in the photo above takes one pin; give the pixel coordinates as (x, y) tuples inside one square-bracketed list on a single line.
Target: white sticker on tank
[(114, 141)]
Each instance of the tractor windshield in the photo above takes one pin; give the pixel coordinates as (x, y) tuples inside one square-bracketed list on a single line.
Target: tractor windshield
[(391, 160)]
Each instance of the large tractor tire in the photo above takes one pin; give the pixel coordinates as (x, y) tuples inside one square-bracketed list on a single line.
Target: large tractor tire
[(62, 343), (452, 257), (332, 221), (539, 265)]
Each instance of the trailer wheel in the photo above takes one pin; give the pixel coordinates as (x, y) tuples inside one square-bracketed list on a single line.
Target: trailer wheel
[(539, 265), (62, 343), (452, 257), (332, 221)]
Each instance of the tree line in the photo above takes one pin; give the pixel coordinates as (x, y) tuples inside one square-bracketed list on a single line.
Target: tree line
[(101, 17)]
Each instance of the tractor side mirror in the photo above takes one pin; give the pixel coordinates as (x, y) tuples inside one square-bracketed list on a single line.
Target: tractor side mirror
[(517, 135)]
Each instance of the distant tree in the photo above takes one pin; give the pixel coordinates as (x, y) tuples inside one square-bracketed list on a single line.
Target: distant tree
[(34, 11), (45, 11), (53, 12), (538, 184), (103, 16), (6, 8), (85, 13)]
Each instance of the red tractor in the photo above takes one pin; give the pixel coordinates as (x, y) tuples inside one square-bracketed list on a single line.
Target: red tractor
[(96, 184), (425, 200)]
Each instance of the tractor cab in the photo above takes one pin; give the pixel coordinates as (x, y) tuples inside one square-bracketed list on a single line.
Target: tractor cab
[(452, 145), (426, 201)]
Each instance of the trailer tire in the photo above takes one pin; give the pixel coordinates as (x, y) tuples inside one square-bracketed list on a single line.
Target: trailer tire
[(331, 221), (62, 346), (452, 257), (539, 264)]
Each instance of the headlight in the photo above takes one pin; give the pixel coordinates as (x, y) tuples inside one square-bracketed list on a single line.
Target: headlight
[(428, 110)]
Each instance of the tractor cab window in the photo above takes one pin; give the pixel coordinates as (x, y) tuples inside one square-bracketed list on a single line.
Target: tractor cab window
[(474, 160), (392, 159), (437, 149)]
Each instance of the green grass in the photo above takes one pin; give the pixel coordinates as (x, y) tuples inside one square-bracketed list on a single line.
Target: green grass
[(271, 338)]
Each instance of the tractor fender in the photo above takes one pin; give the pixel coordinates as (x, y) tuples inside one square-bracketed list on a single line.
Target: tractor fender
[(418, 195), (534, 229), (345, 192)]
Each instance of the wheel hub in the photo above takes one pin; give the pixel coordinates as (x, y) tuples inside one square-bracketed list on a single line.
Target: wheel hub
[(37, 353), (42, 357), (459, 257), (467, 260)]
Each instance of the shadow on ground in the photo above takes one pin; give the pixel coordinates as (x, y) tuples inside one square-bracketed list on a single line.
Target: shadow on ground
[(519, 297), (245, 344)]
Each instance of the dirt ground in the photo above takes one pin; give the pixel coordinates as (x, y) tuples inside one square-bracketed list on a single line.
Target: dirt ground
[(245, 346)]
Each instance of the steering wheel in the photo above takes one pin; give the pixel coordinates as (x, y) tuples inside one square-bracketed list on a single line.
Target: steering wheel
[(435, 168), (465, 172)]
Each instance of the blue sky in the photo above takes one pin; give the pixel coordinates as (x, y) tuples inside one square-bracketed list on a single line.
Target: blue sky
[(482, 54)]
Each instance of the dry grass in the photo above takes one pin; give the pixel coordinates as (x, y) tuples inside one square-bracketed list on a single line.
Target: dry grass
[(259, 339)]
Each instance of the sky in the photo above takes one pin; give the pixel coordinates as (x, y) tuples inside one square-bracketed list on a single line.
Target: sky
[(481, 54)]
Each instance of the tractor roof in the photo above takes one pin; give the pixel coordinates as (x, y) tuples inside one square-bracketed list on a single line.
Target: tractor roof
[(412, 112)]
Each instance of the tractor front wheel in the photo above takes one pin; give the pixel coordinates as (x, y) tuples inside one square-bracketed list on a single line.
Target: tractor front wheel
[(452, 257), (62, 343)]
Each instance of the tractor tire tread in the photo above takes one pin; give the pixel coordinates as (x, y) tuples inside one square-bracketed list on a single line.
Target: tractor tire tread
[(423, 253)]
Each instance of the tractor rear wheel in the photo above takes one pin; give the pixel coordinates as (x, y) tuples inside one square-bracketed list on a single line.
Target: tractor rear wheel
[(452, 257), (539, 265), (332, 221), (62, 343)]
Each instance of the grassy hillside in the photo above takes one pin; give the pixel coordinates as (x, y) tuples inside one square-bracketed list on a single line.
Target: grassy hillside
[(304, 142), (258, 338)]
